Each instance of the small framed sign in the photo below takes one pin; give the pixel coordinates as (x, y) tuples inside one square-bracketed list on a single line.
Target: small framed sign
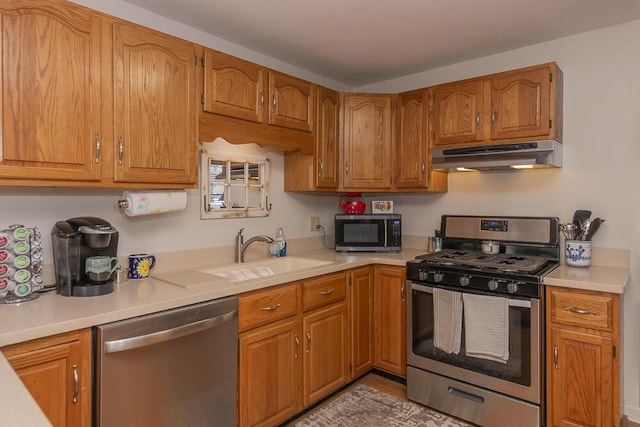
[(382, 206)]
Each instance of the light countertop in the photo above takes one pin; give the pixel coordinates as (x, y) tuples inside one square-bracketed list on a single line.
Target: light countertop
[(52, 314), (595, 278)]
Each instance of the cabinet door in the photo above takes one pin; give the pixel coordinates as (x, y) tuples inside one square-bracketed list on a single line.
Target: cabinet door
[(57, 373), (367, 148), (269, 374), (325, 352), (581, 379), (412, 155), (390, 324), (327, 138), (458, 112), (155, 107), (233, 87), (361, 321), (520, 104), (291, 102), (50, 89)]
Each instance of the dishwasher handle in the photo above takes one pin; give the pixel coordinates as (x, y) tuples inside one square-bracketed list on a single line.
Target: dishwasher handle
[(167, 335)]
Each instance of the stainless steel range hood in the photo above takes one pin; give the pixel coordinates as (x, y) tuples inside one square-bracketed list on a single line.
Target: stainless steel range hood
[(519, 155)]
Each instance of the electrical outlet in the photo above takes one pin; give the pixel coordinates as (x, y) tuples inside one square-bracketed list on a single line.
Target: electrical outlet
[(314, 223)]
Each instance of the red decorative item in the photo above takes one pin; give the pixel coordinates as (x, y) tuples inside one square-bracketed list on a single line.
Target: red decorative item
[(352, 204)]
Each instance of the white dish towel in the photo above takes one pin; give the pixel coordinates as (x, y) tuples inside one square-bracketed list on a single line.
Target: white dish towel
[(447, 327), (486, 326)]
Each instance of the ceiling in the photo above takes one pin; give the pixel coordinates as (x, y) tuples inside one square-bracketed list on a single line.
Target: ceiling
[(359, 42)]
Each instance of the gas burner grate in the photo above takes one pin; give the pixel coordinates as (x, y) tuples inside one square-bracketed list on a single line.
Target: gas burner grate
[(499, 262)]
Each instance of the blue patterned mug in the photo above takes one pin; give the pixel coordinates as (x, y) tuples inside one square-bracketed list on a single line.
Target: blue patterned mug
[(140, 265)]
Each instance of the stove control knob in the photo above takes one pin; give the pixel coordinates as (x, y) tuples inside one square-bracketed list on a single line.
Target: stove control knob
[(438, 277), (493, 284), (422, 274), (465, 280), (513, 287)]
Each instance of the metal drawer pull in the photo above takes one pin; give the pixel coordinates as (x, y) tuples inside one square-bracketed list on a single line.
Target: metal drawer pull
[(308, 341), (466, 395), (329, 292), (76, 384), (555, 355), (272, 308), (580, 311), (297, 341)]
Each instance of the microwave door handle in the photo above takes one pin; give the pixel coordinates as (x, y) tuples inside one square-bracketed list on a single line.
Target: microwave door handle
[(385, 233)]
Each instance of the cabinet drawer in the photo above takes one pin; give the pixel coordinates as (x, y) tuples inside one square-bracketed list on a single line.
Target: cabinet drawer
[(324, 290), (264, 306), (584, 309)]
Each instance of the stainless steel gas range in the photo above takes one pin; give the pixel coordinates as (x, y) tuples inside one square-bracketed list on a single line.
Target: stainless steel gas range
[(475, 345)]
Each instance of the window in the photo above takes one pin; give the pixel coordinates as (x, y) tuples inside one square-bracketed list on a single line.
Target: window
[(233, 185)]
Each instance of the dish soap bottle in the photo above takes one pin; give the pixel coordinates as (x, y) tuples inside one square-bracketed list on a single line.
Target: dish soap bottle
[(281, 241)]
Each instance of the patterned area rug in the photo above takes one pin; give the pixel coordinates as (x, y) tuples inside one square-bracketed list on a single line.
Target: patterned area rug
[(364, 406)]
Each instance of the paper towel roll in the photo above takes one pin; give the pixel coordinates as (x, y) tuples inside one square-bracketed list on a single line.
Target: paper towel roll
[(152, 202)]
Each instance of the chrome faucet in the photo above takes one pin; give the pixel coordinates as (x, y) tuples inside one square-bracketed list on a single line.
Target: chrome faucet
[(242, 246)]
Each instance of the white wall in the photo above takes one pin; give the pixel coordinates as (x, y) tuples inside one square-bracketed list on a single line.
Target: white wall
[(601, 152), (601, 144)]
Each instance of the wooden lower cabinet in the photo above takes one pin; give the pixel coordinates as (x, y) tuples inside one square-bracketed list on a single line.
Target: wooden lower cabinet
[(361, 318), (390, 324), (325, 352), (57, 372), (290, 363), (583, 366), (270, 374)]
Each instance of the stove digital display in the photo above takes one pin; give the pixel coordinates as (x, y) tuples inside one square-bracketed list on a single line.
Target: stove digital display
[(494, 225)]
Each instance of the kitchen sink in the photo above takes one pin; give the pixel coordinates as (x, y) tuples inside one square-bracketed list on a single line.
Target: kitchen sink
[(237, 273), (270, 267)]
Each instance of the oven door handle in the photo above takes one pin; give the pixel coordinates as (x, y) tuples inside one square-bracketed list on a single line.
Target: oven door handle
[(512, 302), (465, 395)]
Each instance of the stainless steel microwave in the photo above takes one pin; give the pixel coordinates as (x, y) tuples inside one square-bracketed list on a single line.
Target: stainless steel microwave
[(368, 233)]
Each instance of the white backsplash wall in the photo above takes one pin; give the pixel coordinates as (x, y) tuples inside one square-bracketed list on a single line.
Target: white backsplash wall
[(169, 232)]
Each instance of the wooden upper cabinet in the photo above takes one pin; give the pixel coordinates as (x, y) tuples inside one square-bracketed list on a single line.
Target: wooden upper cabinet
[(412, 145), (155, 107), (291, 102), (50, 91), (233, 87), (458, 112), (520, 104), (327, 138), (367, 141)]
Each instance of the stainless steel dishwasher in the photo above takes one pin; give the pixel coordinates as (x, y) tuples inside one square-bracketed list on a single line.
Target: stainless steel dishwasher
[(174, 368)]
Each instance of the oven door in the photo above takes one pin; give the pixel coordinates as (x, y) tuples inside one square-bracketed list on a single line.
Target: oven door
[(519, 377)]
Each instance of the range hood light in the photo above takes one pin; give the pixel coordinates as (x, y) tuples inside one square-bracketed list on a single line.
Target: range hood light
[(522, 166), (461, 169)]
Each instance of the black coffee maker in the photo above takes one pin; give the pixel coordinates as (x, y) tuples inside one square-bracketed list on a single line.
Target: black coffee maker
[(75, 240)]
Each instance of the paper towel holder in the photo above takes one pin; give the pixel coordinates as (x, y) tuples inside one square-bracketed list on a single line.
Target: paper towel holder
[(138, 203)]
